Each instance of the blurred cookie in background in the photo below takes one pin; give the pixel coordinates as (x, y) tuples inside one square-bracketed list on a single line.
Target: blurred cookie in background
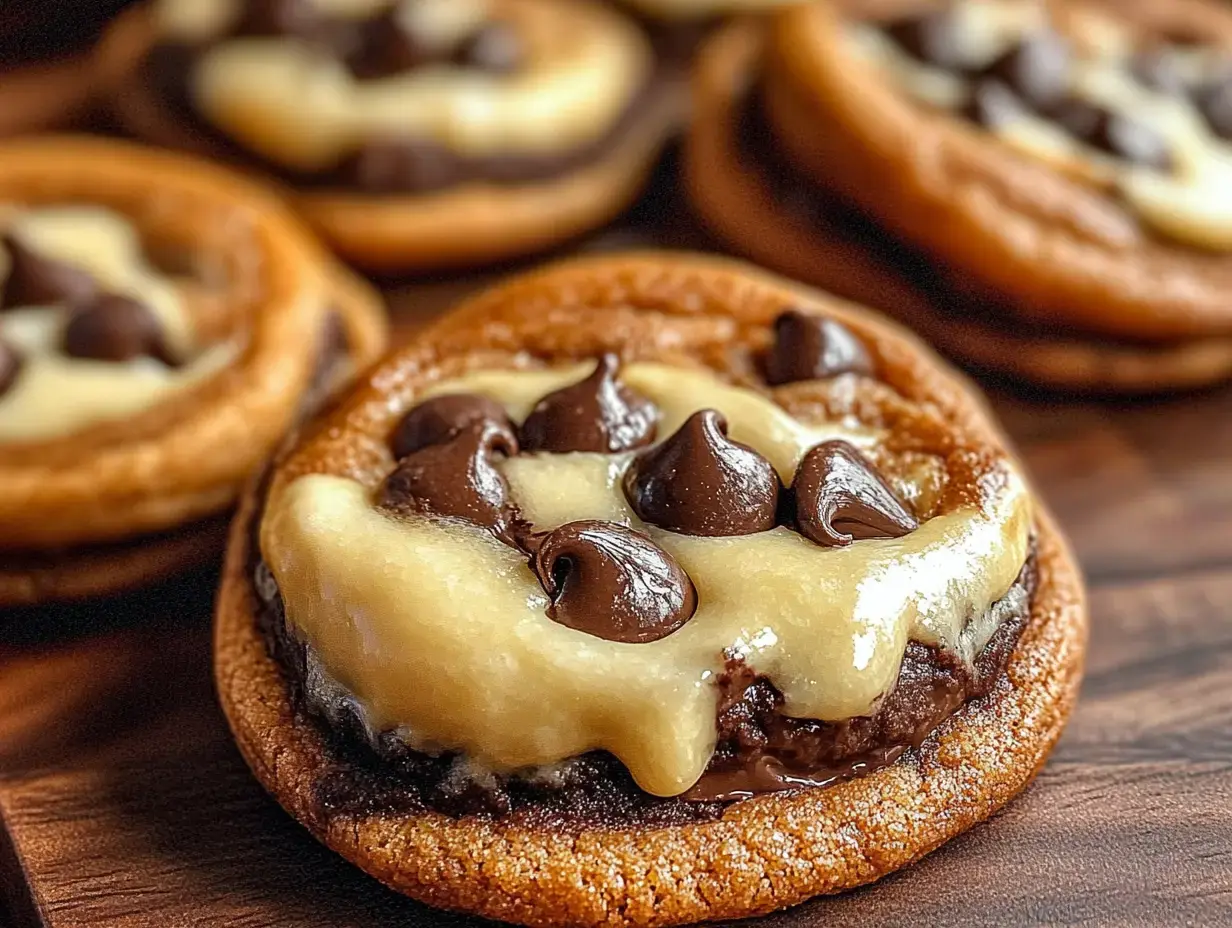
[(162, 324), (45, 65), (417, 134), (1044, 197)]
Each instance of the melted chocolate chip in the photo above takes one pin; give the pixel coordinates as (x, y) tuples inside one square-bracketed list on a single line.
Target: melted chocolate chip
[(934, 38), (496, 48), (456, 478), (597, 414), (699, 482), (277, 18), (10, 366), (437, 419), (386, 46), (1115, 133), (1214, 102), (611, 582), (116, 328), (808, 347), (1036, 69), (1156, 70), (38, 281), (992, 105), (840, 497)]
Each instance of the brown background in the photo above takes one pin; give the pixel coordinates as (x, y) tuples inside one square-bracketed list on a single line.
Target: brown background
[(125, 804)]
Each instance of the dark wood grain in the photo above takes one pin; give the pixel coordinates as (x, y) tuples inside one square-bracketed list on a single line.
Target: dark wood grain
[(125, 804)]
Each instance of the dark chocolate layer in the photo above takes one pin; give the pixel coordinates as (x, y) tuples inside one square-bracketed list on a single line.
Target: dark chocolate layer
[(759, 748)]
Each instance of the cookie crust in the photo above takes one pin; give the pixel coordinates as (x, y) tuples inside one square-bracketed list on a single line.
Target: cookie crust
[(1060, 250), (472, 224), (765, 853), (736, 203)]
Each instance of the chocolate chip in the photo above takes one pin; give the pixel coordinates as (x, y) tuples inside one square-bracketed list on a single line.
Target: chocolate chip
[(840, 497), (1036, 69), (611, 582), (10, 366), (116, 328), (1115, 133), (437, 419), (495, 47), (934, 38), (699, 482), (406, 165), (277, 18), (456, 478), (386, 45), (808, 347), (1155, 69), (597, 414), (993, 105), (38, 281), (1214, 102)]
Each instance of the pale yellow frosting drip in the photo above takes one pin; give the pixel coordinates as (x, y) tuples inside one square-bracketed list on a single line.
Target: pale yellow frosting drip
[(440, 632), (284, 100), (56, 395), (1191, 203)]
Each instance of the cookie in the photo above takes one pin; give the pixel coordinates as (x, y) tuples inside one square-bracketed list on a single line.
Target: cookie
[(46, 73), (1047, 161), (439, 134), (162, 323), (590, 511), (757, 201)]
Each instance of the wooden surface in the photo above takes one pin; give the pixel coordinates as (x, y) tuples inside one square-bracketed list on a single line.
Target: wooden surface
[(125, 804)]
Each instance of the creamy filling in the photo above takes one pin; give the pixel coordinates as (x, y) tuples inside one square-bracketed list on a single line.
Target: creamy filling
[(1189, 202), (285, 100), (439, 630), (54, 394)]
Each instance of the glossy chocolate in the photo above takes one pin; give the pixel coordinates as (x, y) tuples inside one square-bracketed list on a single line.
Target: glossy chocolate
[(456, 478), (808, 347), (609, 581), (386, 45), (1214, 102), (115, 328), (10, 366), (495, 48), (1115, 133), (34, 280), (437, 419), (934, 38), (699, 482), (1157, 70), (991, 104), (598, 414), (839, 497), (1037, 69)]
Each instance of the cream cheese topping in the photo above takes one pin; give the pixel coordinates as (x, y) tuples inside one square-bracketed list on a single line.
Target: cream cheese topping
[(55, 394), (286, 101), (1191, 203), (440, 631)]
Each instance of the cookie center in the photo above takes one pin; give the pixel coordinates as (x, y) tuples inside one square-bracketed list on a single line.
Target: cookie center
[(90, 332), (528, 606), (1139, 116)]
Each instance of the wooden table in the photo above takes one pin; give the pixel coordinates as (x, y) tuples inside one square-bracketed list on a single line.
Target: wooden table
[(125, 803)]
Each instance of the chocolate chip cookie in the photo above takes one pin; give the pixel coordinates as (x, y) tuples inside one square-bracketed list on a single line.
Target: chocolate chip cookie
[(414, 134), (645, 590), (1034, 192), (162, 323)]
